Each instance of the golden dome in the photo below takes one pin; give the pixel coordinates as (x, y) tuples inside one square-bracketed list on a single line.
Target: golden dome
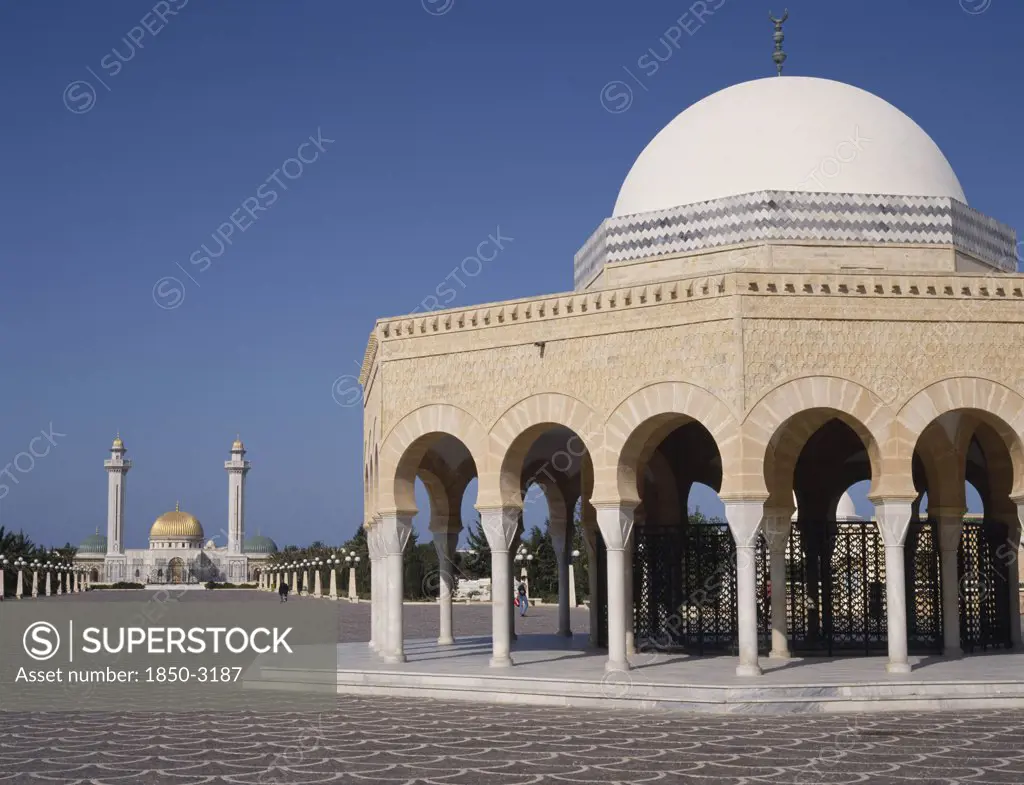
[(118, 444), (177, 524), (237, 445)]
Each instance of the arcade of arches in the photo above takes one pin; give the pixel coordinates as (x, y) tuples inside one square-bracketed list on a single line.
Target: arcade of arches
[(770, 582)]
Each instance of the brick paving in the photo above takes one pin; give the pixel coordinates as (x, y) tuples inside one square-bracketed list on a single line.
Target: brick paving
[(392, 740)]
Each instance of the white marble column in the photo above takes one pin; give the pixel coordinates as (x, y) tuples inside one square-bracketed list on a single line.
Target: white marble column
[(395, 531), (48, 574), (616, 523), (558, 528), (512, 586), (950, 525), (590, 535), (627, 579), (500, 525), (446, 537), (318, 587), (777, 527), (20, 591), (744, 518), (375, 590), (333, 591), (294, 588), (893, 516), (1014, 525), (35, 584)]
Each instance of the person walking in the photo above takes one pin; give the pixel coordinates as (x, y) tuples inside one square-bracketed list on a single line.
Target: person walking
[(524, 601), (282, 590)]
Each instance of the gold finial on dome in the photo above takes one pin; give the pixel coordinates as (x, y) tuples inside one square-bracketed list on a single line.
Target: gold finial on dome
[(176, 507), (237, 444), (118, 444)]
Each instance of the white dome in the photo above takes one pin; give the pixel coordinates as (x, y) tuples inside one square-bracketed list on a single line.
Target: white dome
[(788, 133), (845, 510)]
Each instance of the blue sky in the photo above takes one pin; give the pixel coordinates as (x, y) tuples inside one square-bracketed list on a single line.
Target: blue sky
[(443, 128)]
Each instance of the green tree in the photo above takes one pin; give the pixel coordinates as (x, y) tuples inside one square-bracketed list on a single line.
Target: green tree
[(475, 563)]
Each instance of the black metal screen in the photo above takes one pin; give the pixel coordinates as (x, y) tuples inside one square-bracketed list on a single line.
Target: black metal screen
[(684, 589), (983, 562)]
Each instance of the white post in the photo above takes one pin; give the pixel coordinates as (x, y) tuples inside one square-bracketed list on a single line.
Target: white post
[(60, 584), (395, 529), (893, 516), (950, 524), (20, 590), (500, 525), (744, 518), (317, 585), (616, 523), (334, 586), (777, 527), (48, 573)]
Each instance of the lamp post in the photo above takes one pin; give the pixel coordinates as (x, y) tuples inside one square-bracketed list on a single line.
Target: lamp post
[(67, 578), (35, 579), (572, 579), (352, 560), (318, 589), (3, 565), (524, 557), (20, 564), (305, 578), (48, 569), (295, 577), (332, 564)]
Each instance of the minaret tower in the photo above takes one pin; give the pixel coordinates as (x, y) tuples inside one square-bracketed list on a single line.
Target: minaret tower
[(117, 470), (236, 468)]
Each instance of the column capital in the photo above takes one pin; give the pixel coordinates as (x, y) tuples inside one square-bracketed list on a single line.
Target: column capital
[(778, 523), (395, 530), (500, 525), (893, 518), (949, 513), (451, 524), (615, 520), (744, 518)]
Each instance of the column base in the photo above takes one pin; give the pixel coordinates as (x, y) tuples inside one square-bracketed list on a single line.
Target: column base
[(565, 633), (611, 666), (372, 645), (897, 667), (748, 670), (951, 653), (394, 659), (501, 662), (784, 654), (445, 641)]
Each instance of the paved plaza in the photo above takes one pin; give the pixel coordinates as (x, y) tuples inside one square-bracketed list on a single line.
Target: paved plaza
[(400, 740)]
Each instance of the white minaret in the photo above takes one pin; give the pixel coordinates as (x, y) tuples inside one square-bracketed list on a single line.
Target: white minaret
[(236, 468), (117, 470)]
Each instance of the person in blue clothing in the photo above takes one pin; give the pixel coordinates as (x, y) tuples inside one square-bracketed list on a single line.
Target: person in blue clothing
[(524, 601)]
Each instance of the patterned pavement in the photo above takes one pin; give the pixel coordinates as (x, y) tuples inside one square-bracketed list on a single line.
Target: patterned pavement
[(384, 740), (393, 740)]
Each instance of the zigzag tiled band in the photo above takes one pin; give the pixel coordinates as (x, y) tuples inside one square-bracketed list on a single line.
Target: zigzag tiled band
[(790, 215)]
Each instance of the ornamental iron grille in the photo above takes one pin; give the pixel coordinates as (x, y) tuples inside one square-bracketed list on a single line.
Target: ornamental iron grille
[(837, 598), (684, 588), (983, 562)]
